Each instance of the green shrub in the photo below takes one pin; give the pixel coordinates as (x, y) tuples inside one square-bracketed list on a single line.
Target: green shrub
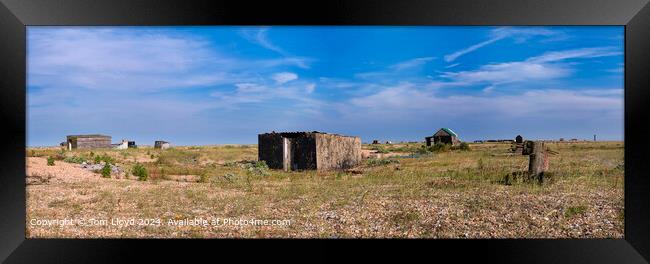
[(379, 149), (440, 147), (204, 178), (575, 210), (75, 159), (379, 162), (50, 161), (140, 172), (106, 170), (177, 156), (256, 167), (230, 177), (423, 150), (464, 146), (105, 158)]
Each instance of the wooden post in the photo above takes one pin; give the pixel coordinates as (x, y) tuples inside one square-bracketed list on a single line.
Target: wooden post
[(538, 163)]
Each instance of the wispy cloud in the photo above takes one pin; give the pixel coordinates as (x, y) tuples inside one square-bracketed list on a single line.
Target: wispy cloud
[(550, 65), (453, 56), (284, 77), (396, 69), (582, 53), (151, 78), (519, 34), (260, 37), (408, 64), (510, 72), (405, 101), (217, 87), (296, 94)]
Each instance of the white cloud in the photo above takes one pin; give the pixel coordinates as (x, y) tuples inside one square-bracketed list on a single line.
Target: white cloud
[(518, 33), (452, 65), (582, 53), (407, 100), (310, 88), (298, 94), (453, 56), (138, 74), (489, 89), (260, 37), (550, 65), (510, 72), (411, 63), (396, 70), (114, 60), (284, 77)]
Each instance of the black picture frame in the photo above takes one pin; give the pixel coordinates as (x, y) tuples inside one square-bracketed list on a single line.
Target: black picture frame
[(15, 15)]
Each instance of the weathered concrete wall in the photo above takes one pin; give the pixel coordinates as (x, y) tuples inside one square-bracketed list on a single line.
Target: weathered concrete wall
[(310, 151), (270, 149), (337, 152), (91, 142)]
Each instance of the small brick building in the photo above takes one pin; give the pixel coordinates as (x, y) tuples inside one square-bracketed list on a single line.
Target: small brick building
[(88, 141), (309, 150)]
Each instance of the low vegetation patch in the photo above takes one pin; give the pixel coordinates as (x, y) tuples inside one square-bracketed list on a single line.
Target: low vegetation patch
[(380, 162), (255, 167), (106, 170), (177, 156), (462, 146), (575, 210), (104, 158), (140, 171), (50, 161), (440, 147), (380, 149), (75, 159)]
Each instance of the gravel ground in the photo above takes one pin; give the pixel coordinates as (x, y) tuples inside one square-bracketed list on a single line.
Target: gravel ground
[(369, 203)]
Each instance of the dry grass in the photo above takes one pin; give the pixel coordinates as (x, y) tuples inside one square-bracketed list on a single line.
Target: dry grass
[(457, 194)]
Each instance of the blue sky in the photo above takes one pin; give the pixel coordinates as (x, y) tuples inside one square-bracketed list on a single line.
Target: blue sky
[(220, 85)]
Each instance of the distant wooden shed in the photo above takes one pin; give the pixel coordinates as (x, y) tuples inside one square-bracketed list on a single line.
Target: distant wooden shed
[(309, 150), (445, 136), (88, 141)]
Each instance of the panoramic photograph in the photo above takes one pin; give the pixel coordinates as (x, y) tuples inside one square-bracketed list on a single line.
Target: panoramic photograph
[(325, 132)]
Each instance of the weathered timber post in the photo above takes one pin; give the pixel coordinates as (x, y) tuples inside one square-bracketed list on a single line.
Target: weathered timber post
[(538, 163)]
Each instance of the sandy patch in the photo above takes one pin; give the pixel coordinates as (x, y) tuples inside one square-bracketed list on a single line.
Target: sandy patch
[(60, 172)]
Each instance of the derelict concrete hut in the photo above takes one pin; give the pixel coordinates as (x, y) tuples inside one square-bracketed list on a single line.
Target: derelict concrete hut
[(309, 150), (445, 136), (88, 141), (159, 144)]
